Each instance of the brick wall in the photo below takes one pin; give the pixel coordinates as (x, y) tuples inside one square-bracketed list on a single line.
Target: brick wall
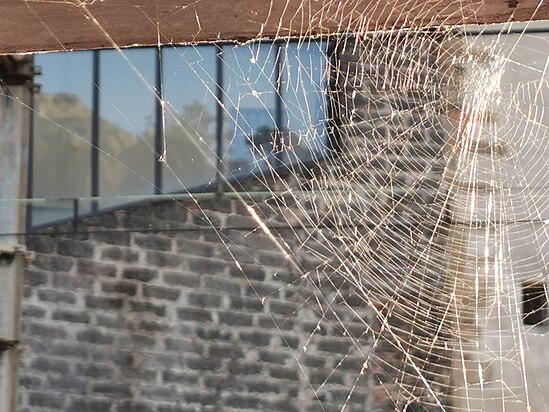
[(151, 308), (168, 321)]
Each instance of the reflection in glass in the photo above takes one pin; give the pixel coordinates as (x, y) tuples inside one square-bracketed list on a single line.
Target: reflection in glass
[(126, 125), (62, 134), (303, 92), (249, 81), (190, 114), (273, 114)]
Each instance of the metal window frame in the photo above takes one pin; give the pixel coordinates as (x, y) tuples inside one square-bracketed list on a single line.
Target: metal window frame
[(159, 130), (215, 186), (95, 139)]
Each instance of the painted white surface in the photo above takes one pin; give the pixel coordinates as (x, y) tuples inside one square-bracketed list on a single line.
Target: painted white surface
[(508, 362)]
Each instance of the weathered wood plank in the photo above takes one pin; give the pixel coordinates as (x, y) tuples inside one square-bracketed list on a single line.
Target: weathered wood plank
[(36, 25)]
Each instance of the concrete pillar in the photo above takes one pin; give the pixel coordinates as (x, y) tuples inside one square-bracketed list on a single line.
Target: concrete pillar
[(16, 74)]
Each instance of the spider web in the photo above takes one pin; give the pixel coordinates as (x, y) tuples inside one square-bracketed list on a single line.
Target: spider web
[(411, 212)]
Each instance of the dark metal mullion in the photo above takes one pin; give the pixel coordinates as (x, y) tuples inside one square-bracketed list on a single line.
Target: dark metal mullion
[(95, 131), (30, 168), (333, 122), (219, 115), (278, 144), (158, 137)]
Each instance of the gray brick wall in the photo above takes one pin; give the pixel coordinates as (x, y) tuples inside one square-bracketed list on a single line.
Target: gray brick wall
[(168, 321), (148, 308)]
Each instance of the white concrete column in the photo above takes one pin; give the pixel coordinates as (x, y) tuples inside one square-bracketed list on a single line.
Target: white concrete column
[(14, 144)]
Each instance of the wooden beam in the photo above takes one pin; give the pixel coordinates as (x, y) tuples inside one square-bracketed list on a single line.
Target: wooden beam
[(46, 25)]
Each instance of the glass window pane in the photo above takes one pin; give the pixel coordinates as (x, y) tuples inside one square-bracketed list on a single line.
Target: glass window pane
[(249, 81), (303, 92), (127, 124), (189, 89), (62, 134)]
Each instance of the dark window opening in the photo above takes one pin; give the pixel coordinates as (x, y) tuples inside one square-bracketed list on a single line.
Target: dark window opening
[(534, 304), (415, 407)]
